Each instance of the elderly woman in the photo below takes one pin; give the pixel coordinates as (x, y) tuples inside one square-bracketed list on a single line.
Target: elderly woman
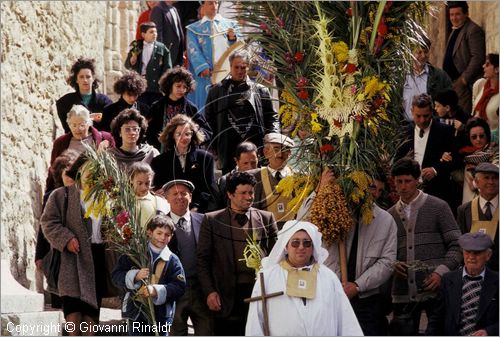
[(82, 79), (485, 93), (128, 129), (313, 302), (175, 84), (81, 131), (129, 86), (183, 159), (82, 278)]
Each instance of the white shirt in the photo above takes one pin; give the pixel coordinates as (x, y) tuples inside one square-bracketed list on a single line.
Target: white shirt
[(186, 216), (147, 51), (285, 171), (493, 202), (420, 144), (415, 84)]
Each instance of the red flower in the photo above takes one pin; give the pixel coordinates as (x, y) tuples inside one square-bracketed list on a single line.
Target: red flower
[(302, 82), (350, 68), (127, 233), (299, 56), (377, 102), (108, 184), (349, 12), (337, 123), (303, 94), (263, 26), (122, 219), (324, 149), (359, 118), (382, 28), (280, 22)]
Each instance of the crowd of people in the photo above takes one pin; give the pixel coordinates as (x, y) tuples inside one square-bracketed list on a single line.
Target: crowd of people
[(205, 156)]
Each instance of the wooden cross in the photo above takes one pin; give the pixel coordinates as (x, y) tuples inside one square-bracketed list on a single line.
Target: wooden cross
[(263, 297)]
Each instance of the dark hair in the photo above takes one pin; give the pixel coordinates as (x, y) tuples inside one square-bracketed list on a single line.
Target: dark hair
[(167, 135), (493, 59), (82, 63), (130, 82), (406, 166), (240, 53), (244, 147), (140, 167), (478, 122), (239, 178), (147, 25), (422, 101), (126, 116), (160, 221), (72, 172), (447, 97), (174, 75), (380, 175), (62, 162), (459, 4)]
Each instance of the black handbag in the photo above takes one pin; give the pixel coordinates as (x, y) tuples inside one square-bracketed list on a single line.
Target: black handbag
[(51, 262)]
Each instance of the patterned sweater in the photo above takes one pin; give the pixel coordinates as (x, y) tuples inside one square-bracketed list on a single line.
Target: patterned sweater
[(428, 235)]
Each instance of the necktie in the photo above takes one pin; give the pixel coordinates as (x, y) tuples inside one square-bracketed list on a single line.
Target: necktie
[(421, 133), (471, 291), (182, 224), (278, 176), (241, 219), (487, 213), (351, 263)]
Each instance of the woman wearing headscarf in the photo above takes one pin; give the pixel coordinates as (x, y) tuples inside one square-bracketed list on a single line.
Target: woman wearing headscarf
[(314, 302)]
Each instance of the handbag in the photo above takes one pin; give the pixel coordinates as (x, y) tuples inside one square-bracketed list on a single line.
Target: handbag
[(51, 262)]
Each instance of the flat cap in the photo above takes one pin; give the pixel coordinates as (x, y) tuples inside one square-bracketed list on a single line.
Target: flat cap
[(477, 241), (278, 138), (171, 183), (486, 168)]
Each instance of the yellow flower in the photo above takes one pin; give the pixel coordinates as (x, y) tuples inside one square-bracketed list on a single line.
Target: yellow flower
[(372, 86), (315, 126), (341, 51)]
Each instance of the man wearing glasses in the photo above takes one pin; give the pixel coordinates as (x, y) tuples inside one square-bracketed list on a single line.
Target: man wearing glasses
[(225, 278)]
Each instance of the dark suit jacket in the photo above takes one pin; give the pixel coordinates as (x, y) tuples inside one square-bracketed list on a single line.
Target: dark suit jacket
[(216, 260), (445, 317), (469, 52), (167, 34), (464, 220), (441, 139), (199, 170)]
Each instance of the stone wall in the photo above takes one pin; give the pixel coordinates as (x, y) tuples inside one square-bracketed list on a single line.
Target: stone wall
[(40, 41)]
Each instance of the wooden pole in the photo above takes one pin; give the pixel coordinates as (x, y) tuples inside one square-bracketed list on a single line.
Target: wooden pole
[(343, 261)]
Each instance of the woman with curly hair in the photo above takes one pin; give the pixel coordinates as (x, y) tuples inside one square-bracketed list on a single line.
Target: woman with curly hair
[(175, 84), (183, 159), (128, 129), (129, 86), (82, 79)]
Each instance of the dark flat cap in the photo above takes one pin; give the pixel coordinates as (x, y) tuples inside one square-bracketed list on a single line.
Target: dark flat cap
[(477, 241), (486, 168), (278, 138), (171, 183)]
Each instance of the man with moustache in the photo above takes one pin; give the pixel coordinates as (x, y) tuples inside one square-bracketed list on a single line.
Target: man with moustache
[(225, 279), (184, 242)]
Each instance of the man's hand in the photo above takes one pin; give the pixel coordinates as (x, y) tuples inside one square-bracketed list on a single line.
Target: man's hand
[(205, 73), (401, 270), (428, 173), (446, 157), (142, 274), (231, 36), (432, 282), (350, 289), (133, 59), (481, 332), (213, 301), (326, 177), (73, 246)]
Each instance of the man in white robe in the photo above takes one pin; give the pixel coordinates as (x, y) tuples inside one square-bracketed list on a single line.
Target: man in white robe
[(323, 311)]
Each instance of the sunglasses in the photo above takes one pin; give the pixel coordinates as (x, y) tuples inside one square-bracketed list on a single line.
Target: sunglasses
[(305, 243), (480, 136)]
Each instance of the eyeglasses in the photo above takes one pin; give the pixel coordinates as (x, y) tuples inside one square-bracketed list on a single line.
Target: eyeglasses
[(188, 134), (480, 136), (78, 126), (305, 243), (130, 129)]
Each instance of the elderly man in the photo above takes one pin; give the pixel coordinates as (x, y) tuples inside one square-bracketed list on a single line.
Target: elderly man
[(481, 214), (426, 247), (238, 110), (468, 301), (465, 52), (225, 278), (277, 148), (179, 194)]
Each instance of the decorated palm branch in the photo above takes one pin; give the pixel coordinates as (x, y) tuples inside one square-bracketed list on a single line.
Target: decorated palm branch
[(339, 67)]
